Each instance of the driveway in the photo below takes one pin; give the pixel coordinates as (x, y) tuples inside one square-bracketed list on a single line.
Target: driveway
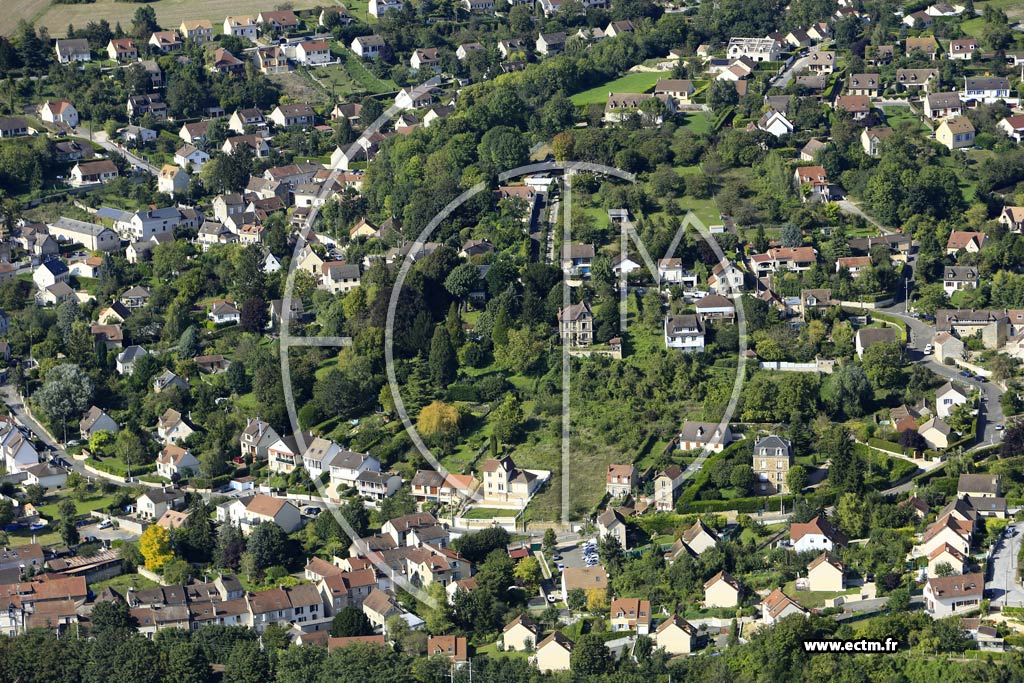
[(100, 138), (1001, 584), (110, 534)]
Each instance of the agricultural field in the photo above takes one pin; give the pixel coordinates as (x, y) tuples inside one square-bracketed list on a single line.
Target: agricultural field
[(168, 12), (636, 82)]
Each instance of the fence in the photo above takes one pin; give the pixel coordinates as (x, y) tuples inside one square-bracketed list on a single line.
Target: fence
[(821, 365)]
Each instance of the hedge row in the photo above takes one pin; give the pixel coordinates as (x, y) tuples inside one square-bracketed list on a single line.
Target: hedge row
[(890, 446), (751, 505)]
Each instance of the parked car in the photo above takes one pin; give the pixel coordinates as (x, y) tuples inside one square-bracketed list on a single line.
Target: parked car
[(105, 524), (551, 598)]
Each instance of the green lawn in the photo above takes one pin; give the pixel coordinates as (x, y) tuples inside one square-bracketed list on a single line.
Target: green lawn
[(358, 72), (492, 651), (696, 122), (812, 598), (122, 583), (636, 82)]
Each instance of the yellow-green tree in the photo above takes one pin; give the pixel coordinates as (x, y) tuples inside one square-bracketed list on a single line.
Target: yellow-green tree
[(155, 546), (597, 600), (439, 423)]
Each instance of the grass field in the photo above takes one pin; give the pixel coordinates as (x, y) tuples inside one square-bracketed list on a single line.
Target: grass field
[(169, 13), (637, 82)]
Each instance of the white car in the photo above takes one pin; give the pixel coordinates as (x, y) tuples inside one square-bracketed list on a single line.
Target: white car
[(105, 524)]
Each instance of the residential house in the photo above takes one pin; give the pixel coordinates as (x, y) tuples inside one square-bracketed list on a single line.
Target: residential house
[(878, 55), (979, 486), (256, 439), (551, 43), (809, 151), (189, 156), (716, 308), (871, 139), (577, 259), (755, 49), (935, 432), (722, 591), (908, 79), (50, 273), (1013, 126), (176, 461), (727, 279), (773, 456), (172, 180), (775, 123), (620, 480), (313, 52), (172, 427), (676, 636), (197, 30), (14, 126), (286, 115), (279, 20), (813, 185), (680, 90), (59, 111), (223, 62), (154, 502), (926, 45), (126, 359), (271, 60), (947, 595), (18, 452), (92, 172), (853, 265), (576, 325), (414, 98), (968, 241), (962, 48), (684, 332), (368, 47), (939, 105), (586, 578), (244, 27), (778, 605), (140, 105), (985, 90), (946, 556), (611, 523), (455, 648), (666, 486), (631, 614), (869, 336), (554, 653), (251, 511), (96, 420), (857, 106), (165, 41), (521, 634), (91, 236), (122, 49), (425, 58), (378, 8), (704, 435), (135, 298), (1013, 218), (817, 534), (72, 50), (947, 346), (503, 482), (826, 574), (224, 313), (959, 278)]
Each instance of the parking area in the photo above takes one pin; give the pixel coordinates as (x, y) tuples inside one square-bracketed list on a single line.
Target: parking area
[(572, 555), (107, 534)]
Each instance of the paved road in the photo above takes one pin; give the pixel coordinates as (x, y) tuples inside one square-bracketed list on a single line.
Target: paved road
[(847, 206), (100, 138), (783, 79), (1001, 584), (991, 410), (16, 405)]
